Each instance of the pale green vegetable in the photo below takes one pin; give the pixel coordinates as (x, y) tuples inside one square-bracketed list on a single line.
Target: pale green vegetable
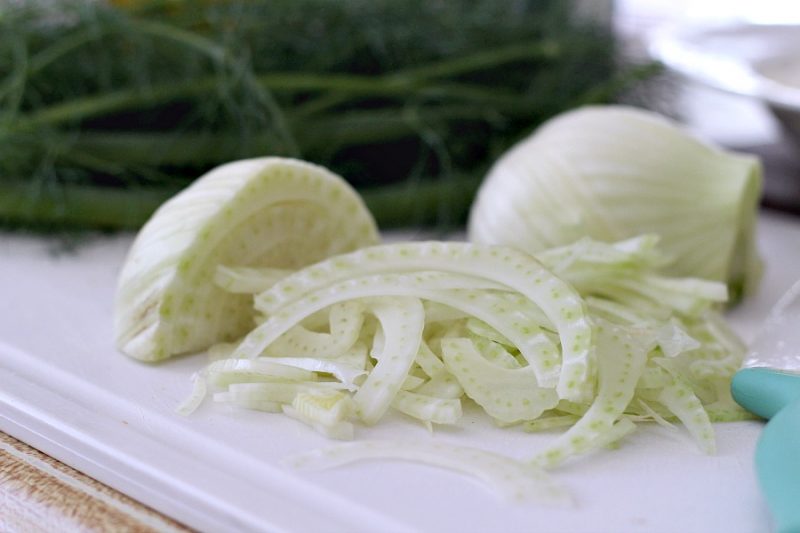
[(411, 382), (495, 352), (509, 395), (443, 385), (511, 480), (325, 411), (428, 362), (347, 368), (429, 409), (613, 172), (267, 212), (248, 280), (550, 422), (621, 361), (402, 320), (681, 400), (345, 321), (268, 396), (590, 336), (445, 322), (195, 398)]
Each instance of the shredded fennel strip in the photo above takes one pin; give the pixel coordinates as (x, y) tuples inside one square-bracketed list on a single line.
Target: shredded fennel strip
[(509, 395), (226, 371), (344, 371), (325, 411), (495, 352), (345, 321), (195, 398), (428, 361), (550, 422), (436, 312), (621, 363), (443, 385), (428, 408), (511, 480), (679, 398), (248, 280), (479, 328), (402, 321), (411, 383), (657, 418)]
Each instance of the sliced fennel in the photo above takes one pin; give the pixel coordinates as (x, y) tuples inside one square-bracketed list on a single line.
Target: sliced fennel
[(267, 212), (511, 480), (360, 273), (621, 361), (593, 337), (402, 320), (248, 280), (325, 411), (449, 322), (612, 172), (428, 408), (508, 395)]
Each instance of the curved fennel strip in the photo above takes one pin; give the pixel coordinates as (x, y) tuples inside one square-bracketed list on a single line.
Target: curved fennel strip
[(518, 271), (402, 320), (325, 411), (613, 172), (428, 361), (267, 396), (495, 352), (621, 361), (443, 385), (228, 371), (273, 212), (509, 479), (509, 395), (345, 320), (347, 370), (248, 280), (429, 409), (681, 400)]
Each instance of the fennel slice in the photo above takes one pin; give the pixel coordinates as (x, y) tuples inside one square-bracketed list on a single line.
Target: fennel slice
[(275, 212), (510, 480)]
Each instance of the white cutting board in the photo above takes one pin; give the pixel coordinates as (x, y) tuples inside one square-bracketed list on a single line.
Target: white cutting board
[(65, 390)]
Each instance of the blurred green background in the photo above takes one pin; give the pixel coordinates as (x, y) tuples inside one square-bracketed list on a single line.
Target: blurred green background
[(107, 109)]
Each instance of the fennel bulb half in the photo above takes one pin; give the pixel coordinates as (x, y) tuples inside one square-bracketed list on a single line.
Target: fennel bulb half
[(614, 172), (268, 212)]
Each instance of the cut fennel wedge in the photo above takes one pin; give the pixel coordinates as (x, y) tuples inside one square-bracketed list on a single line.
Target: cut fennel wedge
[(268, 212), (615, 172)]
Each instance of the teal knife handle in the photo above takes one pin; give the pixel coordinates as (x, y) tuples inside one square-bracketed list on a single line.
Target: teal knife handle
[(775, 395)]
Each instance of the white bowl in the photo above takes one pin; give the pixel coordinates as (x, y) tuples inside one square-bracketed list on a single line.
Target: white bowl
[(759, 61)]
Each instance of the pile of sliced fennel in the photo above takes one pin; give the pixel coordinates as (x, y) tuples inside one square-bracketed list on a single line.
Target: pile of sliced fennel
[(279, 259), (588, 337)]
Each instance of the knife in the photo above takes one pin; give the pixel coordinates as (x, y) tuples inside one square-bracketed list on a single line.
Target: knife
[(768, 385)]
